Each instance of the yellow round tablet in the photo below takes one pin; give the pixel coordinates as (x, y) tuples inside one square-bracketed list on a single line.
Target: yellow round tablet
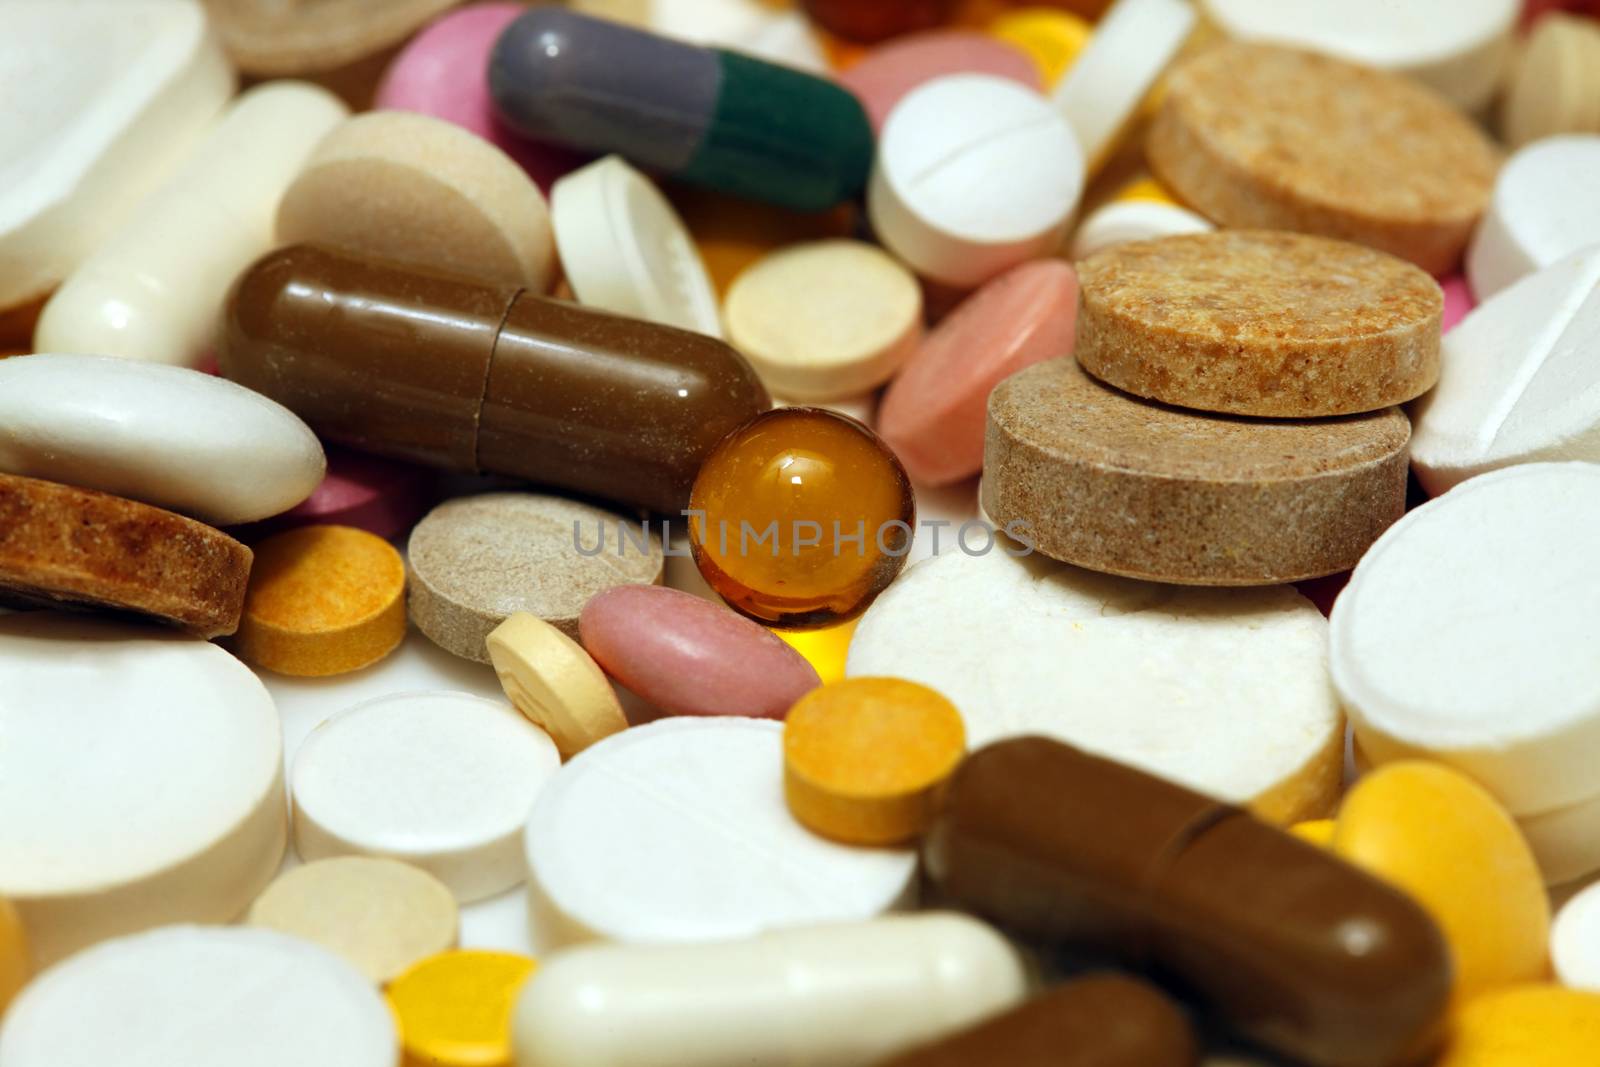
[(322, 600), (1526, 1026), (550, 678), (454, 1009), (865, 759), (824, 649), (13, 954), (1052, 38)]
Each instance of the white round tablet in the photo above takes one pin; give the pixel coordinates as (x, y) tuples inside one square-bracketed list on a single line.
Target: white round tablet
[(192, 996), (140, 780), (1565, 841), (1133, 220), (1575, 941), (443, 781), (1543, 209), (974, 174), (626, 250), (678, 831), (1467, 635)]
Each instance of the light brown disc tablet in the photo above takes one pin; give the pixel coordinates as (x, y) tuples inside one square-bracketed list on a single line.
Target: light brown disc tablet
[(1268, 137), (1256, 322), (277, 37), (63, 545), (1105, 481), (1556, 86)]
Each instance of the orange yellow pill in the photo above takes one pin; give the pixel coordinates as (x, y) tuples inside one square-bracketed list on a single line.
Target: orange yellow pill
[(824, 649), (1052, 38), (1317, 831), (454, 1009), (1526, 1026), (865, 759), (13, 954)]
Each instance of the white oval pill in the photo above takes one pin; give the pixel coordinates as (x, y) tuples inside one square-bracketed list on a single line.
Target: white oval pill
[(678, 831), (1133, 220), (140, 780), (192, 996), (443, 781), (1575, 941), (1543, 209)]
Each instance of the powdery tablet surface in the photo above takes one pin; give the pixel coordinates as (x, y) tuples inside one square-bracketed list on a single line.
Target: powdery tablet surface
[(825, 320), (379, 915), (883, 77), (443, 781), (103, 100), (1122, 221), (1246, 136), (268, 37), (1555, 87), (135, 430), (1223, 691), (1250, 322), (413, 189), (1463, 636), (1105, 481), (1519, 381), (677, 831), (110, 729), (201, 995), (974, 174), (1543, 210), (1575, 941)]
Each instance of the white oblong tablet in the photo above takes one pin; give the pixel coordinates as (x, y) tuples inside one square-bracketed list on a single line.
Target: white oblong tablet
[(154, 289), (140, 780), (1575, 941), (1133, 220), (974, 174), (443, 781), (1518, 380), (624, 248), (187, 996), (176, 438), (1221, 690), (1544, 208), (1467, 632), (1565, 841), (678, 831)]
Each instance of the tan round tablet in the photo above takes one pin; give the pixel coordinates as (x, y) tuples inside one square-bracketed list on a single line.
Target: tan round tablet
[(550, 678), (1254, 322), (825, 320), (379, 914), (1256, 135), (1556, 86), (274, 37), (418, 190), (1111, 483)]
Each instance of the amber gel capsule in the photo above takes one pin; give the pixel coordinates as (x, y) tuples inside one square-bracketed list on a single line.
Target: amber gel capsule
[(1295, 949), (483, 378)]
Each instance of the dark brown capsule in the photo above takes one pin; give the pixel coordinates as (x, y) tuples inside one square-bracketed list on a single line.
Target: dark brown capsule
[(491, 379), (1286, 943)]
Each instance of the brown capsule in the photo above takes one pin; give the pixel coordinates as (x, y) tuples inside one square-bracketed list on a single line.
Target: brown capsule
[(1289, 945), (492, 379)]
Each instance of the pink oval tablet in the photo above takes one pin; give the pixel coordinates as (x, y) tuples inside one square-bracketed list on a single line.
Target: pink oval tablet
[(444, 72), (688, 656), (933, 414), (888, 72), (1457, 301), (381, 496)]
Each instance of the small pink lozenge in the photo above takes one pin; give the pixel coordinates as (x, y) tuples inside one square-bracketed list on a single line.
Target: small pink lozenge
[(381, 496), (888, 72), (1457, 301)]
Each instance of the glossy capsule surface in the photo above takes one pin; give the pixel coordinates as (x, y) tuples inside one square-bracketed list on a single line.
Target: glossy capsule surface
[(703, 115)]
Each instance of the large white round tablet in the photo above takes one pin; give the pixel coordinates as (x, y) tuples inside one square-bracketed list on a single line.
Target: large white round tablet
[(191, 996), (1575, 941), (974, 174), (1222, 690), (443, 781), (678, 831), (172, 437), (1518, 380), (1467, 635), (1543, 209), (140, 780)]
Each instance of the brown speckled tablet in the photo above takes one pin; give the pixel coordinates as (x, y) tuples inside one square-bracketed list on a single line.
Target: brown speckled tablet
[(63, 545), (1127, 487), (1263, 136), (1256, 322)]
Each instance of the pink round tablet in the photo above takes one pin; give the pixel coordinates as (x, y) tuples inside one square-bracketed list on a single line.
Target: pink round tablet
[(688, 656), (887, 73), (933, 414), (444, 72), (1457, 301)]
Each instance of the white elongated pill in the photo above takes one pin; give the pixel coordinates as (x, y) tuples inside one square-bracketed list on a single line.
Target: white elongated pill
[(1565, 841), (1133, 220), (169, 436), (443, 781), (103, 99), (1543, 209), (1466, 636), (140, 781), (1518, 381), (187, 996), (1575, 941), (154, 289), (678, 831), (845, 995)]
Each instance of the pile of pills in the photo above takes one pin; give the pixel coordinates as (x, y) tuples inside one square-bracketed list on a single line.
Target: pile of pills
[(759, 533)]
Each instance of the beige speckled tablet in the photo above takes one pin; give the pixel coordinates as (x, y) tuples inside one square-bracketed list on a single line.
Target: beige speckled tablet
[(1264, 136), (379, 914), (1255, 322), (295, 36), (477, 560), (1126, 487), (418, 190)]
